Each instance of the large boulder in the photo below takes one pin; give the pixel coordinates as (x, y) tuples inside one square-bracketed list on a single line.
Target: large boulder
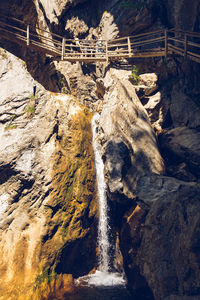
[(128, 141), (162, 249)]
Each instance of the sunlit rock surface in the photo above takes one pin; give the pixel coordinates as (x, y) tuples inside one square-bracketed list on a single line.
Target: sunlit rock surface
[(129, 143), (47, 187)]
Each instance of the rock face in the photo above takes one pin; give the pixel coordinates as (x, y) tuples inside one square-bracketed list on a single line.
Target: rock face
[(170, 237), (179, 14), (129, 143), (183, 142), (47, 187)]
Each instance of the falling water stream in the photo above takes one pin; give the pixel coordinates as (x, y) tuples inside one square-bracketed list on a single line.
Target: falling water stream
[(103, 226), (103, 284)]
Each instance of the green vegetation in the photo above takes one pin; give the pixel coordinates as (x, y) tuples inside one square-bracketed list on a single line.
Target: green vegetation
[(62, 84), (60, 81), (4, 54), (30, 110), (74, 175), (45, 276), (134, 75), (11, 125), (32, 97)]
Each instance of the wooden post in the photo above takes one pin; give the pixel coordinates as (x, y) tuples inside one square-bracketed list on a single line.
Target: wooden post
[(166, 43), (107, 51), (28, 35), (63, 48), (129, 46), (185, 45)]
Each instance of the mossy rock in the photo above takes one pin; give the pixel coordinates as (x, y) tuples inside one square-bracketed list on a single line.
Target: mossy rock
[(70, 241)]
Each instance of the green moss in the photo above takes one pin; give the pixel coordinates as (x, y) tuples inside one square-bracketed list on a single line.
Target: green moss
[(32, 97), (72, 198), (46, 275), (11, 126), (30, 109), (3, 54)]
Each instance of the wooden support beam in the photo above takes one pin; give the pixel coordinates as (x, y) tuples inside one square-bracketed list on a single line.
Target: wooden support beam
[(185, 45), (63, 49), (107, 51), (129, 46), (166, 43), (28, 35)]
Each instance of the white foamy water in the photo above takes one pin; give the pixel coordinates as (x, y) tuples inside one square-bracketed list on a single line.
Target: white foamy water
[(103, 227), (103, 276), (100, 278)]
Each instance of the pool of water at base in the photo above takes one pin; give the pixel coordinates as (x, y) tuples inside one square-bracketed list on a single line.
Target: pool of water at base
[(102, 293)]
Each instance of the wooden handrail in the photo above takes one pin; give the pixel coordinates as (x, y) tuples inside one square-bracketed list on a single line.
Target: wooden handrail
[(141, 45)]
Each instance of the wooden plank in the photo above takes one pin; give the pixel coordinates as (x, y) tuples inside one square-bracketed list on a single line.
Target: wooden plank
[(28, 35), (194, 58), (161, 38), (176, 48), (13, 27), (148, 42), (189, 33), (138, 35), (185, 46), (140, 43), (193, 44), (147, 33), (176, 40), (129, 46), (193, 54), (63, 48), (144, 54), (166, 43), (106, 51)]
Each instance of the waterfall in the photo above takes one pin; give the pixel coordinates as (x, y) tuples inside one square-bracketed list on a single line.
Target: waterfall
[(103, 227), (103, 276)]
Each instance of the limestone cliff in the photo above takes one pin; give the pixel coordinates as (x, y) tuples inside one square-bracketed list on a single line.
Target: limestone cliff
[(149, 133), (47, 186)]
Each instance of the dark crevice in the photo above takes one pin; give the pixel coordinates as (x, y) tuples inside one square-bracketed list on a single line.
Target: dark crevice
[(24, 185), (78, 257), (6, 172), (55, 131)]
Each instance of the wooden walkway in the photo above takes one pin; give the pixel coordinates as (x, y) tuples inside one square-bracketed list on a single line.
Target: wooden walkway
[(152, 44)]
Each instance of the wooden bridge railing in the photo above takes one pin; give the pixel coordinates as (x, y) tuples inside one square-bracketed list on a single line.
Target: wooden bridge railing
[(184, 43), (151, 44)]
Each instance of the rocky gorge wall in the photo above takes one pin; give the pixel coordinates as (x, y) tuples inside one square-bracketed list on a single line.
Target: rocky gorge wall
[(149, 133), (47, 186)]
